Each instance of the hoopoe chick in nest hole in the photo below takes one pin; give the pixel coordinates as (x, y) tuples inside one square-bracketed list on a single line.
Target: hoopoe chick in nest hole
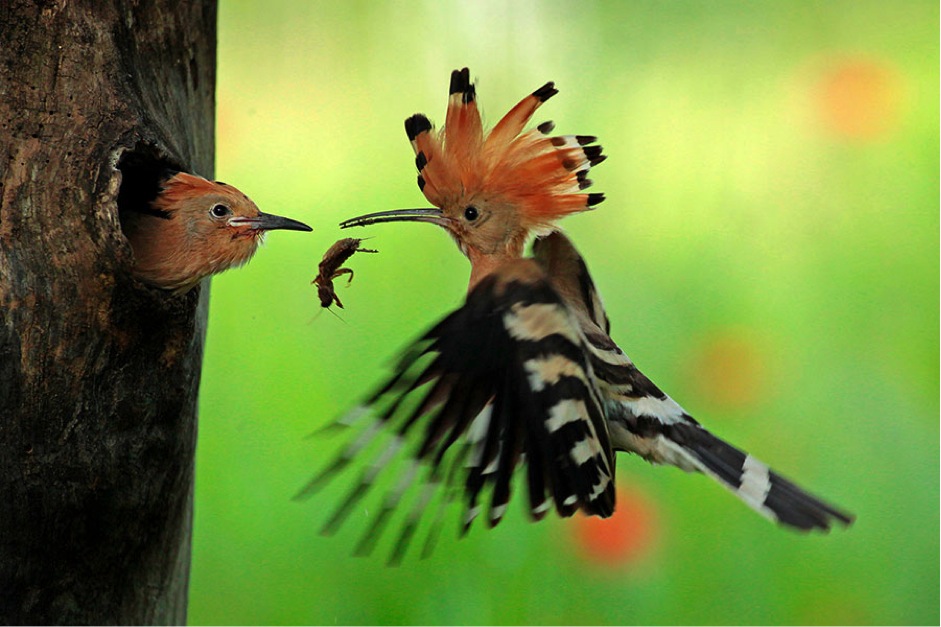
[(524, 380), (195, 228)]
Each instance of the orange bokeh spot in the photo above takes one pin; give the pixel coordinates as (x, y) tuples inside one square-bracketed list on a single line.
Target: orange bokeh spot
[(859, 98), (833, 607), (729, 370), (624, 538)]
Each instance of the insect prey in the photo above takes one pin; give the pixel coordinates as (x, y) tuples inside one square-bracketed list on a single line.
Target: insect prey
[(331, 268)]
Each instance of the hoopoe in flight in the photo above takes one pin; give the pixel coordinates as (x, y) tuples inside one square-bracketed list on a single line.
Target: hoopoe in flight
[(525, 376), (194, 228)]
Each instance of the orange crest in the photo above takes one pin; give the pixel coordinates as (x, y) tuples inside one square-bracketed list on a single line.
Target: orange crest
[(541, 176), (182, 186)]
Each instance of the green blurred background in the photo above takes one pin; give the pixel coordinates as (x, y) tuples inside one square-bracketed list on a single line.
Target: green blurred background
[(768, 254)]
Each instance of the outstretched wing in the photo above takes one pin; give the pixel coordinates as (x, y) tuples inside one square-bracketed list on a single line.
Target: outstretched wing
[(642, 419), (503, 382)]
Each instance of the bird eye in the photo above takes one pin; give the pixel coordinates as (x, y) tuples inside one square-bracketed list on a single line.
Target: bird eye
[(471, 213), (219, 211)]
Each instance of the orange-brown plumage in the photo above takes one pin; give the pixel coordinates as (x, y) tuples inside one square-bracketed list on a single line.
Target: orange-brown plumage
[(195, 228), (492, 190)]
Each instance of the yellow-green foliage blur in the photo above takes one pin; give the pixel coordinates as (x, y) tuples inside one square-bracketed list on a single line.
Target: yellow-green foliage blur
[(768, 254)]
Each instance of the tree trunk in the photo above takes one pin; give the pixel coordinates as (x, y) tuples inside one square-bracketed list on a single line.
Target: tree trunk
[(98, 374)]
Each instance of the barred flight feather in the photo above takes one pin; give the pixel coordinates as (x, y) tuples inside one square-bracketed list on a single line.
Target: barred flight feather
[(481, 380)]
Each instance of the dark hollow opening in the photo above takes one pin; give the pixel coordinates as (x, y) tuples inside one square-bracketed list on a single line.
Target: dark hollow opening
[(143, 170)]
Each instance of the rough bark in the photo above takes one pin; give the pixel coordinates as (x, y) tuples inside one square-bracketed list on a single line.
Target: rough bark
[(98, 374)]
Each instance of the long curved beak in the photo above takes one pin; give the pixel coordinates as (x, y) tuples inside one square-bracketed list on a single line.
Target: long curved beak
[(269, 222), (433, 216)]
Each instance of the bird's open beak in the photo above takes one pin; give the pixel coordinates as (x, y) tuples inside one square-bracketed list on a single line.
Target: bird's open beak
[(269, 222), (433, 216)]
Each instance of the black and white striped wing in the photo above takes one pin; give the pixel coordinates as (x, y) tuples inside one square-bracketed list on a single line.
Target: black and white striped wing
[(642, 419), (502, 383)]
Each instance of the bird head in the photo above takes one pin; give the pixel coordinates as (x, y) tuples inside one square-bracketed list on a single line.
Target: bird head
[(492, 191), (195, 228)]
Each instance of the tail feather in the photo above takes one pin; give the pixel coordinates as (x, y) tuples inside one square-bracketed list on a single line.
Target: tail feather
[(762, 489), (799, 509)]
